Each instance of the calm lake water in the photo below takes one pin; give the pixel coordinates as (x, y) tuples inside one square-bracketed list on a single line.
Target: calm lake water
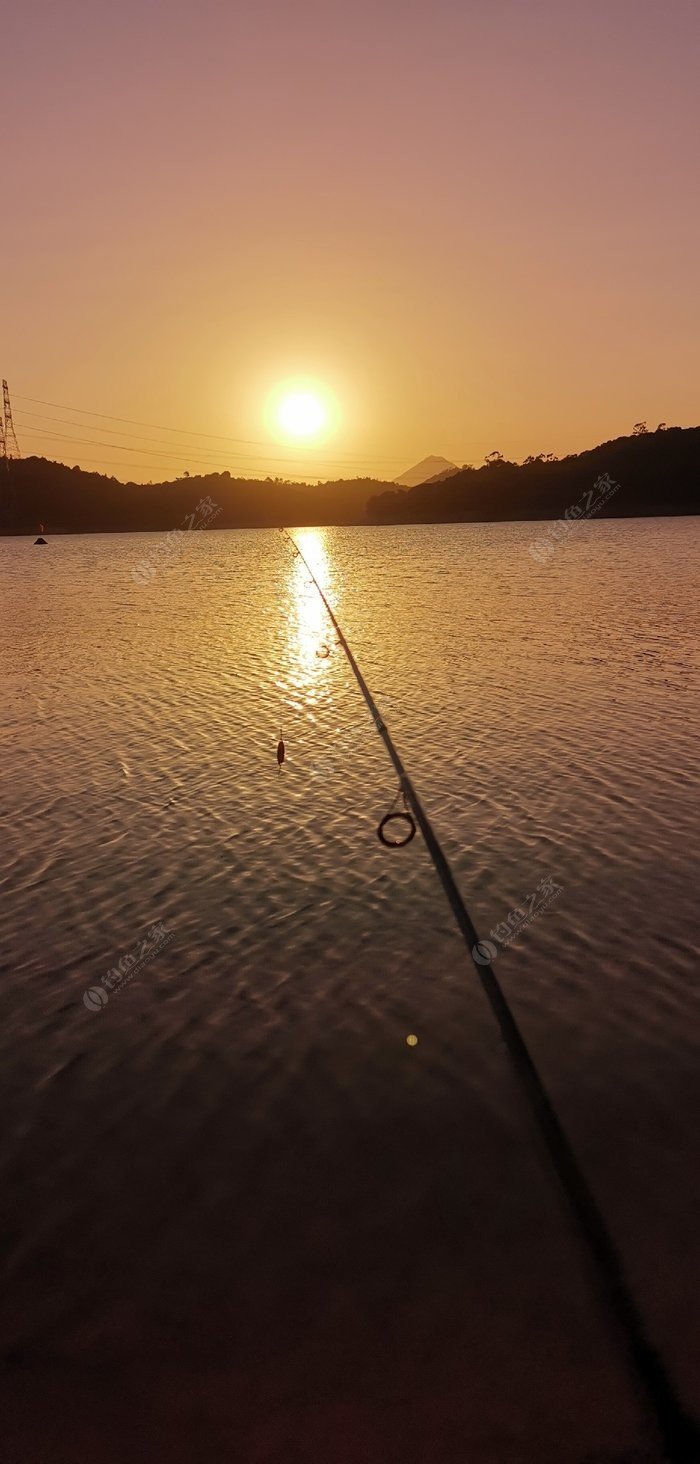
[(247, 1221)]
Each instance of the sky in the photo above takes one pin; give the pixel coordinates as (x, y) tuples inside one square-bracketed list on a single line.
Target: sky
[(475, 222)]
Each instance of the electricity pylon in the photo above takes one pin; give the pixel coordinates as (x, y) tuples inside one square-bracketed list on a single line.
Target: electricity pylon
[(9, 446)]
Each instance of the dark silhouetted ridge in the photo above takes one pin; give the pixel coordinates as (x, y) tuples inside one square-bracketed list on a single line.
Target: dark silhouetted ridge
[(656, 473)]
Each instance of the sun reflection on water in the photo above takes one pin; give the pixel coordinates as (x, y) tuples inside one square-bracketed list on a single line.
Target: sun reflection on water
[(310, 630), (312, 626)]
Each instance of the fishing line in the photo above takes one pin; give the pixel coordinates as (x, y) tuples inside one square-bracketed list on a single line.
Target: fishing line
[(677, 1431)]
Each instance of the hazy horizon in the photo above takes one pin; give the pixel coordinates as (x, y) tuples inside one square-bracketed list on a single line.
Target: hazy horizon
[(476, 226)]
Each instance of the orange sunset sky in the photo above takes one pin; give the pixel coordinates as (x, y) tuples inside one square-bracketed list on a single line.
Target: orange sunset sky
[(476, 225)]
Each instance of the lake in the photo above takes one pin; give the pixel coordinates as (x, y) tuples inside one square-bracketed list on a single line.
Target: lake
[(247, 1219)]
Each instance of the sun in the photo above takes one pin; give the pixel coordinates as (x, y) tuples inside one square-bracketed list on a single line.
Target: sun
[(302, 414), (303, 410)]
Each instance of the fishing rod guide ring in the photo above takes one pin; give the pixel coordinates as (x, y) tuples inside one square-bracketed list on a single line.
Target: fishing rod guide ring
[(389, 843)]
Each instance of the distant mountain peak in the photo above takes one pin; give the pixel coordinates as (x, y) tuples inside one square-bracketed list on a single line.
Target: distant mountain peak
[(428, 470)]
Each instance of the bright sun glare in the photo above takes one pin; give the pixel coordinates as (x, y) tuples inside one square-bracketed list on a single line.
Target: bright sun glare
[(302, 414), (302, 410)]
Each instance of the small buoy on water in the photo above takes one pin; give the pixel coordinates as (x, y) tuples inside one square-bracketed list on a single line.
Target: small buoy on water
[(323, 651), (280, 752), (40, 541)]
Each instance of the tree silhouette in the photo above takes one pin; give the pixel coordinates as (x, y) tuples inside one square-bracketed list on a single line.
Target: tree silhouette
[(639, 429), (660, 477)]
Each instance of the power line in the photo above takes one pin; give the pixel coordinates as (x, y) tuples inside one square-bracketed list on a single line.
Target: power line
[(134, 438), (115, 446), (205, 465), (348, 460), (213, 436), (176, 454), (100, 461), (97, 462)]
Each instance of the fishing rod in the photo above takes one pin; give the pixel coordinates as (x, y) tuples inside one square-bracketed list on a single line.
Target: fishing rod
[(676, 1429)]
